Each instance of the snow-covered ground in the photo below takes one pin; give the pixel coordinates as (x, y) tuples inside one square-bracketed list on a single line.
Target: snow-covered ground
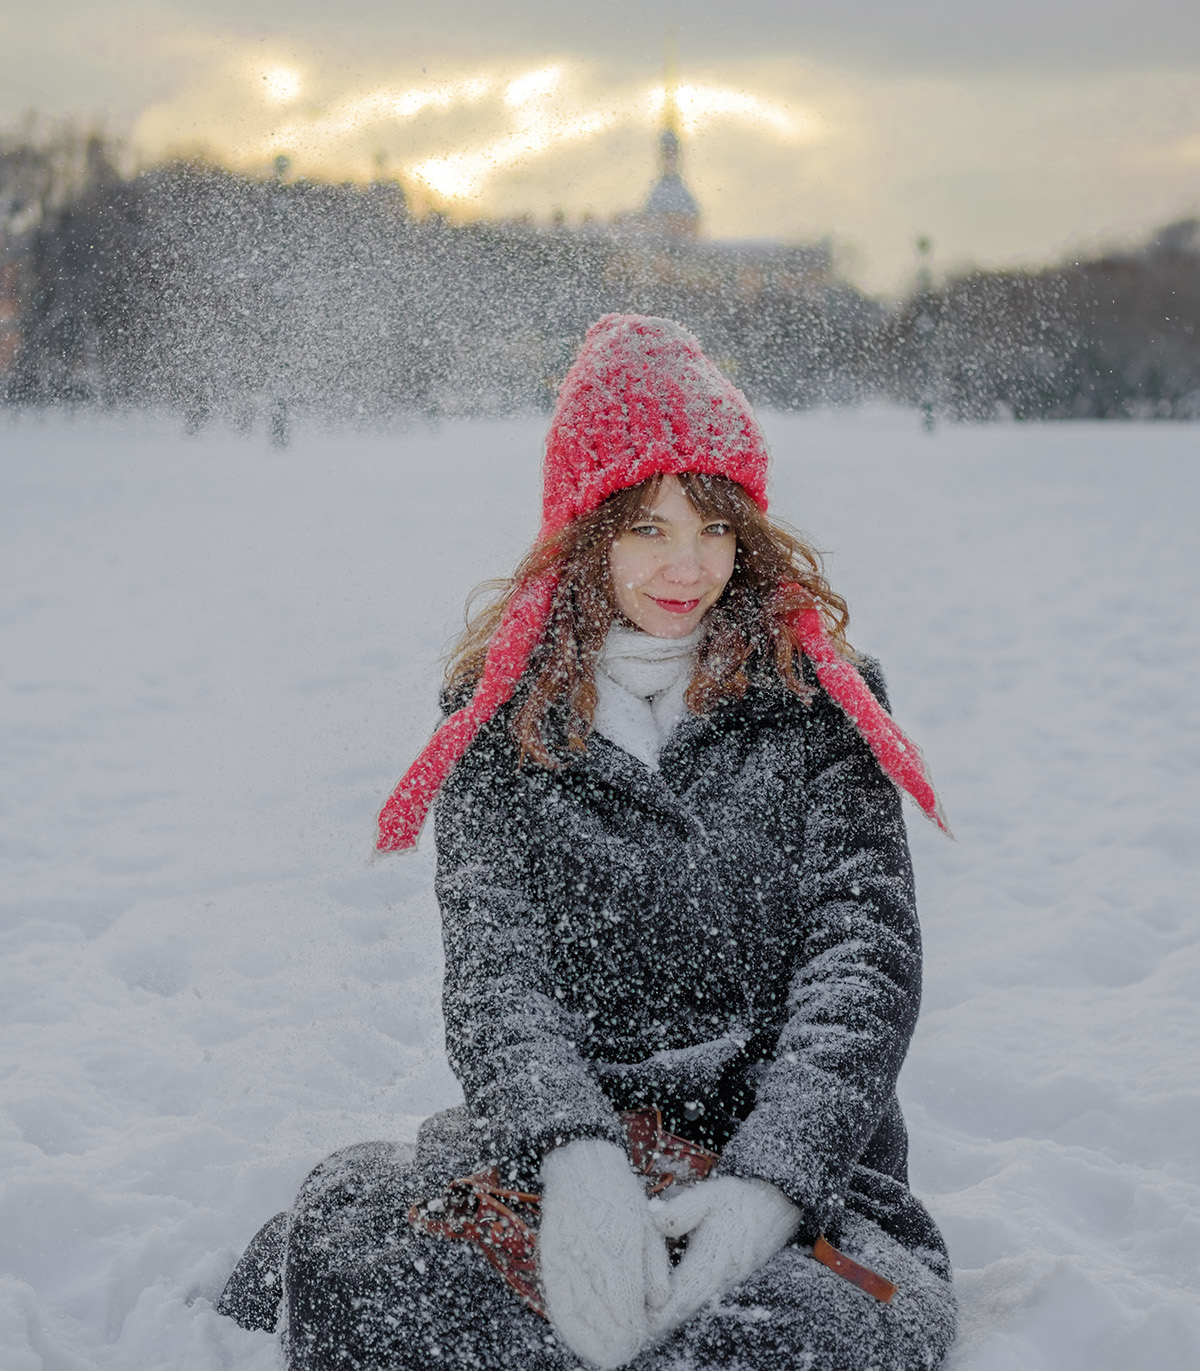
[(215, 658)]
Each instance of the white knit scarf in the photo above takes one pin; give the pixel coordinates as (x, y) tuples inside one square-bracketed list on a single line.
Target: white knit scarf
[(640, 684)]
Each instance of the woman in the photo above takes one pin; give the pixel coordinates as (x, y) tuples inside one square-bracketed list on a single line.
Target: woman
[(682, 954)]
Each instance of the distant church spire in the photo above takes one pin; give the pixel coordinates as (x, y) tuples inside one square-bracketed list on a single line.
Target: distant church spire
[(671, 82), (671, 210)]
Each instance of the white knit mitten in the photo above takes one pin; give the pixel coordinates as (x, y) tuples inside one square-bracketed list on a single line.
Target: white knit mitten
[(733, 1227), (601, 1259)]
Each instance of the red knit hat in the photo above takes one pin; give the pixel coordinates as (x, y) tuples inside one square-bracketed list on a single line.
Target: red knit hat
[(640, 399)]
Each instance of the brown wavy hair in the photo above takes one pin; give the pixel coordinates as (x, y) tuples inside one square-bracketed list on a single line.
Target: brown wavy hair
[(749, 617)]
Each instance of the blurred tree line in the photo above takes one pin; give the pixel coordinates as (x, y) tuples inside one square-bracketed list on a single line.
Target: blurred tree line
[(255, 300)]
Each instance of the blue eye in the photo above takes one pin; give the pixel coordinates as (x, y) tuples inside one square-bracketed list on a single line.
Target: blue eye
[(645, 530), (719, 530)]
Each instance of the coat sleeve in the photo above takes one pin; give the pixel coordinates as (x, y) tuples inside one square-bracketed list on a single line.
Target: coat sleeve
[(854, 995), (510, 1041)]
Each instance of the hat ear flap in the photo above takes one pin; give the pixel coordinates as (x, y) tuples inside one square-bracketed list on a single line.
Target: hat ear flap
[(508, 654), (898, 756)]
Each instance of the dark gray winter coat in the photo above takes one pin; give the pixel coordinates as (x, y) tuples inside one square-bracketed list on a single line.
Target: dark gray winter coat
[(732, 939)]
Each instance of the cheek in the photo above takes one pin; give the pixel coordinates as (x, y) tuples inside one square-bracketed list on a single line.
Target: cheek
[(619, 574), (719, 565), (630, 565)]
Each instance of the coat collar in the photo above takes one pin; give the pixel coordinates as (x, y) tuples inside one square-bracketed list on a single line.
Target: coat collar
[(683, 752)]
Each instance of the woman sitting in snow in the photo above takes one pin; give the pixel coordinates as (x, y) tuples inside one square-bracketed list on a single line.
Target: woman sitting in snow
[(682, 954)]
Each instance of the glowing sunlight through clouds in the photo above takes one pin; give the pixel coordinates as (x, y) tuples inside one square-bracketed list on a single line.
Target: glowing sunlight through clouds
[(1001, 167), (452, 138)]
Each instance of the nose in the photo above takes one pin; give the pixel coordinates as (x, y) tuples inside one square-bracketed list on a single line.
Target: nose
[(683, 568)]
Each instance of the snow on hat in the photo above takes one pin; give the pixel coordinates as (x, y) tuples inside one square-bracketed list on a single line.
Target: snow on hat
[(640, 400), (643, 400)]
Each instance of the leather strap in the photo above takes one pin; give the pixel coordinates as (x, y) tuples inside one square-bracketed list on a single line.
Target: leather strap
[(502, 1222)]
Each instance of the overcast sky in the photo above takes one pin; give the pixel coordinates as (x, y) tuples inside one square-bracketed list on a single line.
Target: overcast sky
[(1011, 132)]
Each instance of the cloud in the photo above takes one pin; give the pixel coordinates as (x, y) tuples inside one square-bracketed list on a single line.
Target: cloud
[(918, 37), (456, 137), (1006, 133)]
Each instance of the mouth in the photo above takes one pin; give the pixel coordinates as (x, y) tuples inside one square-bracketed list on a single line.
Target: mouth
[(676, 606)]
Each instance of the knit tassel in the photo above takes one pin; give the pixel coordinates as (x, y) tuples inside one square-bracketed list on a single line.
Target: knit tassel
[(899, 757), (520, 631)]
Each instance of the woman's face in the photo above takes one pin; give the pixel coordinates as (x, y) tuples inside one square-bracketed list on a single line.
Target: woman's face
[(671, 566)]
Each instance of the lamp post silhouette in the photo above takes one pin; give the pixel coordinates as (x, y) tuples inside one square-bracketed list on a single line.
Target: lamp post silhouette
[(925, 325)]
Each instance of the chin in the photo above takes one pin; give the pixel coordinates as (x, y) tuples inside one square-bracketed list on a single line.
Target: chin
[(664, 625)]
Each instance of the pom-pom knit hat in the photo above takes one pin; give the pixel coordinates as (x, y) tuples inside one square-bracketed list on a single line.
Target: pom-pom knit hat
[(640, 400)]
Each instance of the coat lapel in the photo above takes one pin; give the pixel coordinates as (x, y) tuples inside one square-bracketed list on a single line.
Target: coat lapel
[(686, 758)]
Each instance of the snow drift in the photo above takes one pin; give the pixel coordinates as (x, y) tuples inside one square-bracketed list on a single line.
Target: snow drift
[(216, 657)]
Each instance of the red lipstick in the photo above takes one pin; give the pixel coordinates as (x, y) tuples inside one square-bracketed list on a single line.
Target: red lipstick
[(676, 606)]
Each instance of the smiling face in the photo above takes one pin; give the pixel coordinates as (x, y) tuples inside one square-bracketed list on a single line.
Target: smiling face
[(671, 565)]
